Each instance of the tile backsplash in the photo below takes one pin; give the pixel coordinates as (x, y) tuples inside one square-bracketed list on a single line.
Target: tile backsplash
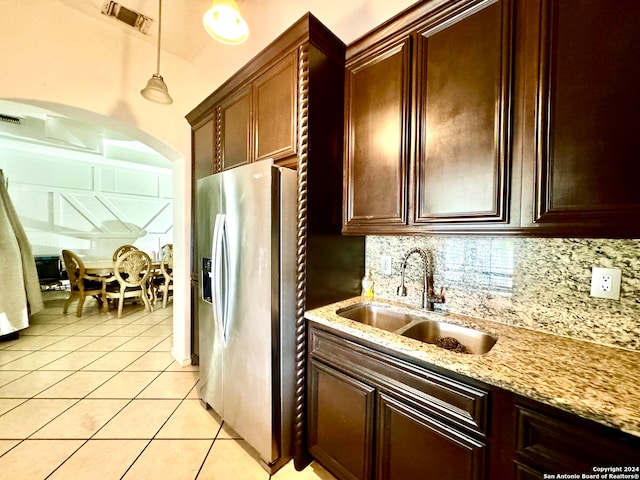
[(537, 283)]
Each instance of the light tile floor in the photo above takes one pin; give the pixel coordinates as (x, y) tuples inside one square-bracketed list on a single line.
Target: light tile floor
[(101, 397)]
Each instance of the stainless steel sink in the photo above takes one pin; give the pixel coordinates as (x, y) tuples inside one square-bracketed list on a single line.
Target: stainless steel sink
[(378, 317), (443, 334), (450, 336)]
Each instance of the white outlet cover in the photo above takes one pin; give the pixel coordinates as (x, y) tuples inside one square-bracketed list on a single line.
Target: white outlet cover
[(597, 282), (385, 264)]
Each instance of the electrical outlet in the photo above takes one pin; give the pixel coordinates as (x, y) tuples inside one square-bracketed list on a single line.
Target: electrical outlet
[(605, 282), (385, 264)]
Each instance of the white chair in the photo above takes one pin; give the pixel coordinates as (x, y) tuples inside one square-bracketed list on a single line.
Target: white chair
[(163, 283), (132, 270), (122, 249), (82, 285)]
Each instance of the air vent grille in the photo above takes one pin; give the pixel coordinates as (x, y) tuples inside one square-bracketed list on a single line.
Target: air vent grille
[(9, 119), (132, 18)]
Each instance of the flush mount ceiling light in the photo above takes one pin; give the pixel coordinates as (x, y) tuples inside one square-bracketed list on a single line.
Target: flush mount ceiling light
[(156, 90), (224, 22)]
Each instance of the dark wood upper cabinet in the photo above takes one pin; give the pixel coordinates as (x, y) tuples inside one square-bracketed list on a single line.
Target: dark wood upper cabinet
[(428, 121), (580, 164), (235, 123), (256, 111), (509, 116), (258, 121), (377, 156), (464, 93), (274, 106), (203, 140)]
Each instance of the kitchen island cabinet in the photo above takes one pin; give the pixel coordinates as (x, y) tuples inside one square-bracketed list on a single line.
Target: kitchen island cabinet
[(534, 404)]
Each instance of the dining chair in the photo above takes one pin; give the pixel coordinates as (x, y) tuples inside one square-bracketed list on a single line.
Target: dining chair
[(81, 284), (122, 249), (131, 279), (163, 283)]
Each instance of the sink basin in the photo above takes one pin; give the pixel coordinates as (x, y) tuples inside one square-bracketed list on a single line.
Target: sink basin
[(378, 317), (443, 334), (451, 336)]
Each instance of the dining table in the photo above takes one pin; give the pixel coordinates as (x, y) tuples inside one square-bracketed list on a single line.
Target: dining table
[(103, 269)]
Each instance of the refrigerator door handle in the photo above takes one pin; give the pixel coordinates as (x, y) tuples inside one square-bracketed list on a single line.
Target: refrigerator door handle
[(220, 280), (225, 281)]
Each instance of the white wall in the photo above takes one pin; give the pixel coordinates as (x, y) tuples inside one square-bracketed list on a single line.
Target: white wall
[(91, 205), (52, 53)]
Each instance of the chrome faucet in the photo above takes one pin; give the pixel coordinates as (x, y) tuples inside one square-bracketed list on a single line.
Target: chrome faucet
[(429, 298)]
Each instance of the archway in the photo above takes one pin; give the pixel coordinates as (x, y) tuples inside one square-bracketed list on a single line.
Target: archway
[(81, 132)]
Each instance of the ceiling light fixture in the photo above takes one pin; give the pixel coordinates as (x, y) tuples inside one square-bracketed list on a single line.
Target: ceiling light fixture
[(224, 22), (156, 90)]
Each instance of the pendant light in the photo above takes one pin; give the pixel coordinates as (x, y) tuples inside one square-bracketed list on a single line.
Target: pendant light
[(156, 90), (224, 22)]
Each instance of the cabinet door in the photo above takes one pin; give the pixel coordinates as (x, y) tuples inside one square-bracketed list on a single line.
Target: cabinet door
[(274, 110), (412, 445), (341, 422), (582, 161), (203, 150), (202, 165), (464, 95), (235, 115), (377, 138)]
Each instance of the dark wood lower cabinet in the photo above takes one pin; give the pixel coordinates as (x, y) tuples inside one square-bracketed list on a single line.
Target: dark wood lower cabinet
[(341, 422), (376, 415), (360, 426), (413, 445), (550, 442)]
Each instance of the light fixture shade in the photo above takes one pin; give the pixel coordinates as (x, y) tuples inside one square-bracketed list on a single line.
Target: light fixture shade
[(224, 22), (156, 90)]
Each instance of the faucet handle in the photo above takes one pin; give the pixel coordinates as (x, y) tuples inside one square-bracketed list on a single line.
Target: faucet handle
[(436, 298), (402, 290)]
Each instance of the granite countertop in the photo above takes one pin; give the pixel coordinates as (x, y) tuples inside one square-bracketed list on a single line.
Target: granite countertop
[(594, 381)]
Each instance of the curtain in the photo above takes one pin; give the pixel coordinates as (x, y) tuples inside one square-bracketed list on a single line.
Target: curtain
[(20, 293)]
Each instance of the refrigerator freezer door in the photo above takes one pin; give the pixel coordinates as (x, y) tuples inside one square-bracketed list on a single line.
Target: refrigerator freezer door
[(210, 342)]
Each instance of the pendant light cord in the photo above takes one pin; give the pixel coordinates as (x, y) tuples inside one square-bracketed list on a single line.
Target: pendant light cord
[(159, 32)]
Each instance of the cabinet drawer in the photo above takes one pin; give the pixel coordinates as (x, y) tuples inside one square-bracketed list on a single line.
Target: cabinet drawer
[(454, 401), (551, 444)]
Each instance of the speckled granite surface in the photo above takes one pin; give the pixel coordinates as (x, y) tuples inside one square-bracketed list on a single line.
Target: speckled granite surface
[(537, 283), (594, 381)]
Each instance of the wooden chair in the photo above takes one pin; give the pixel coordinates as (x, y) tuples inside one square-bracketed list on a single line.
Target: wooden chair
[(132, 270), (163, 283), (82, 285), (122, 249)]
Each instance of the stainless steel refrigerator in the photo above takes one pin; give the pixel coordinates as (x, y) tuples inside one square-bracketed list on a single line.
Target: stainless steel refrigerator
[(246, 249)]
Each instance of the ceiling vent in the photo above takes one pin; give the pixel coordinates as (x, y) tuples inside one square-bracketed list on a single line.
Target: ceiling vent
[(9, 119), (134, 19)]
